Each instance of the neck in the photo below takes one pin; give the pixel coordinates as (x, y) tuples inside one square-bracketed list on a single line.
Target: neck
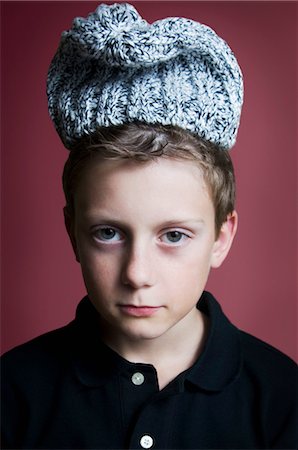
[(170, 354)]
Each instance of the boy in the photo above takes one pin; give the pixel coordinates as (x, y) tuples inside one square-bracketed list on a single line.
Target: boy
[(148, 113)]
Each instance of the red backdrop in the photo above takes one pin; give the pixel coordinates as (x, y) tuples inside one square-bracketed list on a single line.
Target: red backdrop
[(257, 286)]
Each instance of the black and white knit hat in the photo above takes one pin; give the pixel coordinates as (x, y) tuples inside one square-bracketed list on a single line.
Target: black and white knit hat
[(114, 67)]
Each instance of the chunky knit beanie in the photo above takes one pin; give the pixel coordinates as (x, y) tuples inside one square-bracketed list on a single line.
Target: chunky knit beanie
[(114, 67)]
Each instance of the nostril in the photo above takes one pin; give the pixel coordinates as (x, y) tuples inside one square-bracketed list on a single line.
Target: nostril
[(137, 271)]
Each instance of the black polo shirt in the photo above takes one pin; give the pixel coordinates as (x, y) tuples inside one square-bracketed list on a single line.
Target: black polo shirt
[(66, 389)]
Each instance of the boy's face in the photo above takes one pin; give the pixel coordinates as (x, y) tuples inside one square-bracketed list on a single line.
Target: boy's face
[(144, 235)]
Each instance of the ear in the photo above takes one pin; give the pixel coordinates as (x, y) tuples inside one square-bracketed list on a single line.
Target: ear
[(69, 225), (224, 240)]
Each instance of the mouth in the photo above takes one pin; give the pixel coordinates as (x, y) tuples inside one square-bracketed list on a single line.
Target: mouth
[(139, 311)]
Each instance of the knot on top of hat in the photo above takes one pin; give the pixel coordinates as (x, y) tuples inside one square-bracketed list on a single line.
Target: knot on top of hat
[(117, 35), (108, 34)]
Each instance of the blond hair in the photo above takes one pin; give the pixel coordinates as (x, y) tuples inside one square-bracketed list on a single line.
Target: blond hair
[(142, 142)]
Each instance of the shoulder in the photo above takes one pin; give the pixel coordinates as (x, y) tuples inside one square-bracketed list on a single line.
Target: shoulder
[(269, 374), (50, 350), (262, 357), (33, 375), (269, 383), (52, 355)]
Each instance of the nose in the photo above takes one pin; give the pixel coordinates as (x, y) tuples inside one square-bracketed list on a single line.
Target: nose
[(138, 267)]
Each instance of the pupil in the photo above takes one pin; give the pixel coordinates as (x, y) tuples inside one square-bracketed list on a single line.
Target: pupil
[(174, 236), (108, 233)]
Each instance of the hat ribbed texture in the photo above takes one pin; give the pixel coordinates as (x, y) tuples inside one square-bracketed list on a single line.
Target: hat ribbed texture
[(114, 67)]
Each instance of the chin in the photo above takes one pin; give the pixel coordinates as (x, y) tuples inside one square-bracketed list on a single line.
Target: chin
[(139, 333)]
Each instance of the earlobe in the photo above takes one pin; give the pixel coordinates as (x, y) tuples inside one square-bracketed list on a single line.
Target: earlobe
[(69, 225), (224, 240)]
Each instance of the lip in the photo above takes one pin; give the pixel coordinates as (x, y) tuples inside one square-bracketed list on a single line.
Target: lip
[(139, 311)]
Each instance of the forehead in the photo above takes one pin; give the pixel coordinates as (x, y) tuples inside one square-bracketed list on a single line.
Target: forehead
[(165, 185)]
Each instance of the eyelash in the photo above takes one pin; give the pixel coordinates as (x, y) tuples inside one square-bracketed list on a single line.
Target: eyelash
[(101, 239), (182, 236)]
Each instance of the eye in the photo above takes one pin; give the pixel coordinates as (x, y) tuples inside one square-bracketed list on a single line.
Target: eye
[(107, 234), (174, 237)]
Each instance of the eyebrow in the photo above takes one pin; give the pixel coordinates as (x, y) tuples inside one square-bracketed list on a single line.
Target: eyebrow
[(172, 222), (109, 219)]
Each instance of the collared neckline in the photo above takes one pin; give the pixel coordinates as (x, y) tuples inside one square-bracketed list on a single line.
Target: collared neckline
[(220, 362), (217, 367), (95, 363)]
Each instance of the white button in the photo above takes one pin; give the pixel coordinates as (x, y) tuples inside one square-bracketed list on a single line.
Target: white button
[(137, 379), (146, 441)]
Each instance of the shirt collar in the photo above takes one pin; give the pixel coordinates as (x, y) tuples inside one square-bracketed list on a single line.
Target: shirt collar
[(216, 368), (95, 363), (220, 363)]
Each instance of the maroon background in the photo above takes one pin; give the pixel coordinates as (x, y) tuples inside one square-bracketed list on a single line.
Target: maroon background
[(41, 282)]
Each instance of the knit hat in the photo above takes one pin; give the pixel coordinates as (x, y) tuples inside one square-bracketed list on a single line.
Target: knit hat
[(114, 67)]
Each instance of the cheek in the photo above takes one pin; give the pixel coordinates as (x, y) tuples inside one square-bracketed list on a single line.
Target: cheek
[(196, 261), (191, 272), (99, 271)]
